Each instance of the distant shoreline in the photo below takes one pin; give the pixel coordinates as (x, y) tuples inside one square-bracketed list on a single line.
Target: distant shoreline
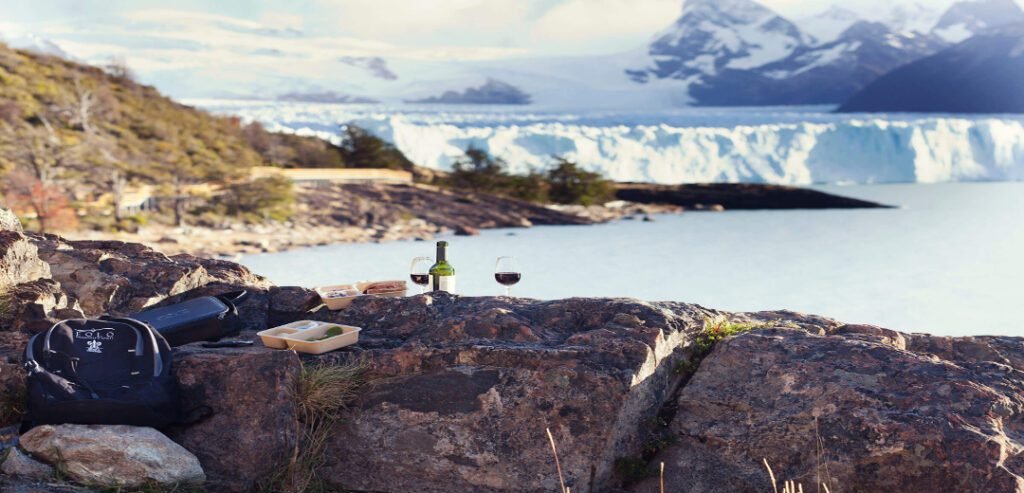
[(327, 215)]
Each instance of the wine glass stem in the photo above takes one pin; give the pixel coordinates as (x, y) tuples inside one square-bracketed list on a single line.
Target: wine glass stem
[(508, 291)]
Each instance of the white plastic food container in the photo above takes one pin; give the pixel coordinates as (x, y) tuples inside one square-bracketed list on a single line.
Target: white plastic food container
[(340, 303), (274, 337), (305, 341)]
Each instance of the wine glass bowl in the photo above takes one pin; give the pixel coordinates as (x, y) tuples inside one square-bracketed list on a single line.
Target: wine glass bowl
[(419, 272), (507, 273)]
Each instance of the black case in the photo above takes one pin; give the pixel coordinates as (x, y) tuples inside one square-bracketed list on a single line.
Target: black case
[(200, 319)]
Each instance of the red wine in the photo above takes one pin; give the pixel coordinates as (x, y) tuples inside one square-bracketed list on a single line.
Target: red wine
[(507, 278), (421, 279)]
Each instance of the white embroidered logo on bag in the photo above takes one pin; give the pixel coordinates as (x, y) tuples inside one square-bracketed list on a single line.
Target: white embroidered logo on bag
[(95, 347), (103, 334)]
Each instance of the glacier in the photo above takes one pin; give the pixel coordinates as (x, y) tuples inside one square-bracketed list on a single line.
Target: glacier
[(794, 146)]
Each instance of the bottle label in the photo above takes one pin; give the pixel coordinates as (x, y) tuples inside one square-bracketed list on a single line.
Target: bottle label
[(445, 283)]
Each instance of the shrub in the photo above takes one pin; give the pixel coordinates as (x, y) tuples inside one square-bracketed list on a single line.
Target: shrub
[(321, 393), (570, 184), (564, 183), (258, 200), (361, 149)]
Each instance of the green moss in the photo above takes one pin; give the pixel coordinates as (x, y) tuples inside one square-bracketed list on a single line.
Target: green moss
[(633, 469), (718, 329)]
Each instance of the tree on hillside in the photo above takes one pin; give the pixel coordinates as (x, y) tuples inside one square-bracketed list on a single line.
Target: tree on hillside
[(25, 192), (184, 165), (571, 184), (35, 155), (478, 171), (361, 149), (262, 199)]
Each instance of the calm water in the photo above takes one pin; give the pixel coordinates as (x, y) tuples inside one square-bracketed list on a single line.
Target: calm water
[(949, 261)]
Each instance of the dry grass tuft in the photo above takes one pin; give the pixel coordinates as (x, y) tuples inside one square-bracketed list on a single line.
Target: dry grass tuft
[(322, 393), (558, 465), (787, 486)]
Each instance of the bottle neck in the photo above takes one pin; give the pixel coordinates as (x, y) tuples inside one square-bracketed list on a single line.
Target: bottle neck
[(442, 254)]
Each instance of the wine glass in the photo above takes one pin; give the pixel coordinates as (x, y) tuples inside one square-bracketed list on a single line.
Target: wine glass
[(419, 272), (507, 273)]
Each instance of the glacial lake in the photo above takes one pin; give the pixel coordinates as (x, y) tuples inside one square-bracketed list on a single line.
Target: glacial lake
[(948, 261)]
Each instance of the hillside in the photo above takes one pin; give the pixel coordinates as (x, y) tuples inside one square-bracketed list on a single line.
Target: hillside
[(980, 75), (70, 133)]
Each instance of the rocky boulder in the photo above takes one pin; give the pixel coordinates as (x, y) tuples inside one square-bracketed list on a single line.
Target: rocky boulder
[(19, 464), (122, 278), (462, 390), (9, 221), (240, 411), (852, 409), (37, 305), (113, 456), (19, 260)]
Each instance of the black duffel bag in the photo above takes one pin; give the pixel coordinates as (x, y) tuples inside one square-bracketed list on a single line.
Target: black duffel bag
[(105, 371), (207, 318)]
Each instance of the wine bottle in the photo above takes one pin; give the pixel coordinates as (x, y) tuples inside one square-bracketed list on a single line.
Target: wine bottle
[(442, 274)]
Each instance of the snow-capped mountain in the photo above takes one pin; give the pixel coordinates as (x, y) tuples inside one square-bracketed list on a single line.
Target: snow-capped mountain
[(828, 25), (969, 17), (980, 75), (909, 18), (718, 52), (716, 35), (742, 53)]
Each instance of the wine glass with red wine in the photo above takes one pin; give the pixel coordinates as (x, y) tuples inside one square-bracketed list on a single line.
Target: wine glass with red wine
[(507, 273), (419, 272)]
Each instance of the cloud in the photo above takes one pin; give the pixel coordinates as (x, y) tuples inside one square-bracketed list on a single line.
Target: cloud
[(597, 20)]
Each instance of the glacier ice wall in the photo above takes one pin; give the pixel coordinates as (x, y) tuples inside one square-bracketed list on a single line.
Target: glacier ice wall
[(855, 151), (701, 145)]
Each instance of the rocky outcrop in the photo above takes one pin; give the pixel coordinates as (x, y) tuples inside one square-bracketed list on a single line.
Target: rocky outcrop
[(8, 221), (19, 260), (113, 456), (240, 412), (19, 464), (36, 305), (854, 409), (464, 388), (123, 278), (731, 196), (460, 391)]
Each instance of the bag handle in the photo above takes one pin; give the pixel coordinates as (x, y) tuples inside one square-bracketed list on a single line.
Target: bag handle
[(233, 297), (158, 362)]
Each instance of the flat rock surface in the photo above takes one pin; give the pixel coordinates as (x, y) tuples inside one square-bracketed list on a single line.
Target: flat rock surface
[(113, 456)]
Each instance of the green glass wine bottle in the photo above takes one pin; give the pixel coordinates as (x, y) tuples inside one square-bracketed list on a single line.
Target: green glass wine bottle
[(442, 274)]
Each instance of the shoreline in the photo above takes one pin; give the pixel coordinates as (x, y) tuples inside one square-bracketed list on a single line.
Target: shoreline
[(342, 214)]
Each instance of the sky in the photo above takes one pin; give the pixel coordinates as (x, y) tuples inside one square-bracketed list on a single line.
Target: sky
[(465, 29)]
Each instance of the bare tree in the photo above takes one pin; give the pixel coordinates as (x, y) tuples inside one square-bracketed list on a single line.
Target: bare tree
[(84, 102), (118, 67)]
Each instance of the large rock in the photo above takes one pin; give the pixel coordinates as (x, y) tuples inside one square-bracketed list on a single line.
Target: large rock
[(37, 305), (19, 260), (113, 456), (241, 410), (123, 278), (852, 409), (9, 221), (463, 388), (21, 465)]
